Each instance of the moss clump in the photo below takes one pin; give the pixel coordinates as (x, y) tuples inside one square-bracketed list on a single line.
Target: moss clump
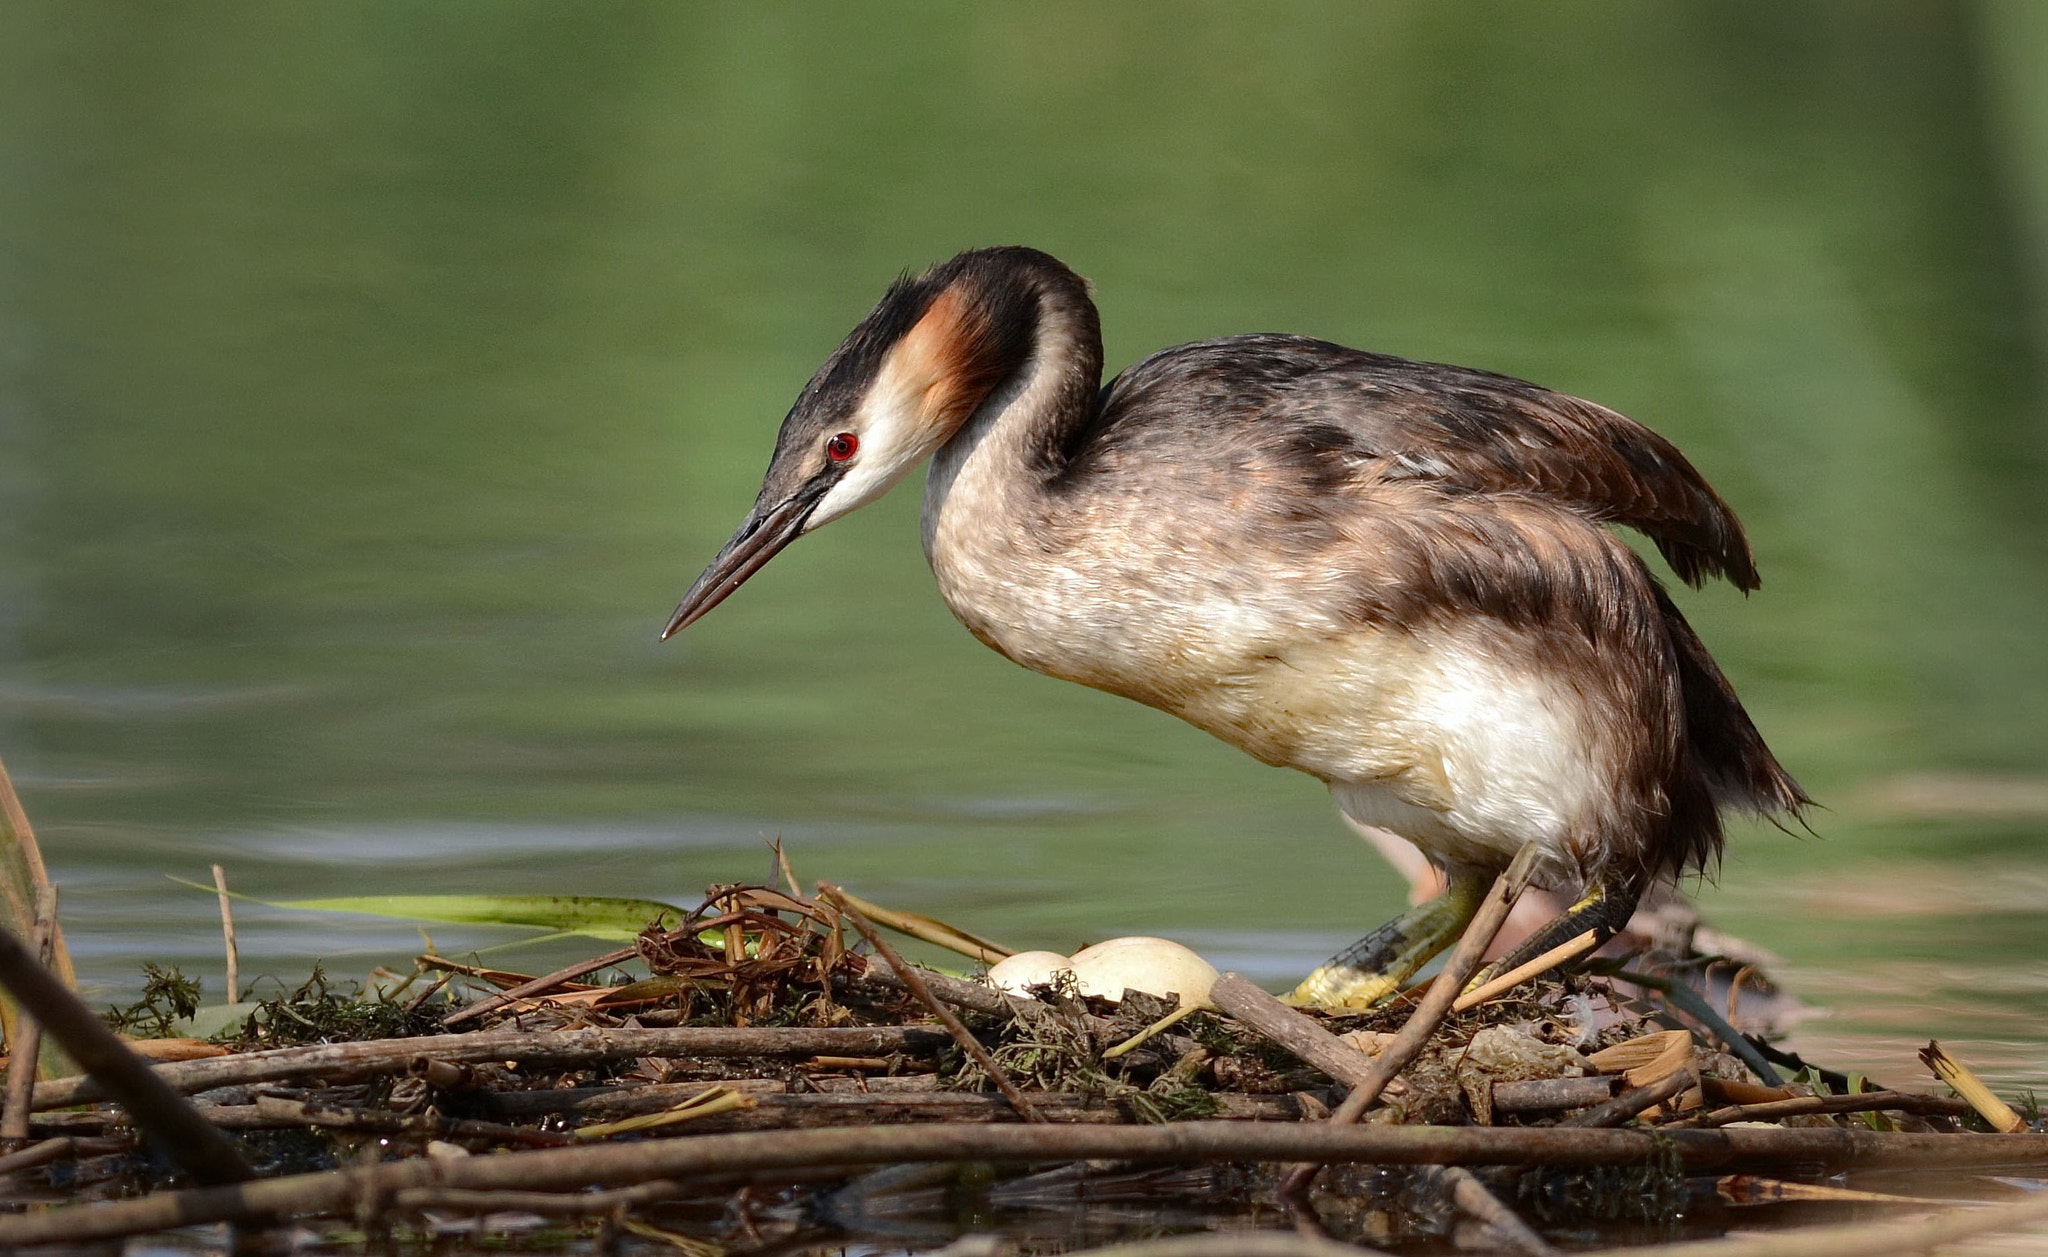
[(168, 997), (322, 1012)]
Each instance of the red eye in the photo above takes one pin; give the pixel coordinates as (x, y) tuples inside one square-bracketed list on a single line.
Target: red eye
[(841, 447)]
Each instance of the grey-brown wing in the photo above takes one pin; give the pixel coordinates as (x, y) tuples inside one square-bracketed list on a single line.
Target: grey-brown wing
[(1341, 415)]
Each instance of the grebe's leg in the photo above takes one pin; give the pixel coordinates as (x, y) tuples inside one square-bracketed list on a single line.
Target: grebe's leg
[(1605, 909), (1380, 964)]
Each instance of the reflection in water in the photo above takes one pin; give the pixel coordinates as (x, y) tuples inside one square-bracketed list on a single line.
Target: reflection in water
[(372, 380)]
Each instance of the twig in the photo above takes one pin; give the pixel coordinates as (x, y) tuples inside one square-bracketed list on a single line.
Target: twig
[(419, 1001), (1799, 1106), (788, 873), (1522, 973), (227, 933), (1422, 1023), (572, 1169), (25, 1047), (1864, 1239), (538, 985), (345, 1062), (1629, 1103), (163, 1114), (1548, 1095), (1291, 1029), (38, 1154), (1470, 1195), (968, 1043)]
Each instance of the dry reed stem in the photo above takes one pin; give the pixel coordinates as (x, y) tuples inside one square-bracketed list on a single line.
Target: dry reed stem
[(614, 1165), (968, 1043), (935, 932), (1524, 972), (1971, 1088), (25, 1042), (22, 876), (21, 858), (227, 934)]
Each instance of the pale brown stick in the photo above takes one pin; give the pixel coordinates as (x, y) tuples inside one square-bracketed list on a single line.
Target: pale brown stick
[(1458, 969), (199, 1149), (1629, 1103), (26, 1049), (1521, 973), (346, 1062), (1798, 1106), (38, 1154), (537, 985), (1408, 1044), (227, 933), (1547, 1095), (612, 1165), (968, 1043), (1291, 1029), (1428, 1014)]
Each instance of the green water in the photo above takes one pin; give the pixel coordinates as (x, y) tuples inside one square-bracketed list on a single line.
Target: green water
[(373, 379)]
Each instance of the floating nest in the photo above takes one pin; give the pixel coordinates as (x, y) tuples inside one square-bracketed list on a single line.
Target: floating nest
[(766, 1075)]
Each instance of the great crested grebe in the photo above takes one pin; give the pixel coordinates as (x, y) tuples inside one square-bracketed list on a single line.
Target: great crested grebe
[(1394, 576)]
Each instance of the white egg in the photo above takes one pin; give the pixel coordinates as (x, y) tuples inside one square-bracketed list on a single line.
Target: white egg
[(1027, 969), (1156, 966)]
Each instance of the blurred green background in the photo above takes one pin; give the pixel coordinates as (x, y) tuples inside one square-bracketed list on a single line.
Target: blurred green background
[(374, 377)]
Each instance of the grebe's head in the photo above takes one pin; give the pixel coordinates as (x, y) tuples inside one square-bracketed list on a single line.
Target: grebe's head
[(894, 391)]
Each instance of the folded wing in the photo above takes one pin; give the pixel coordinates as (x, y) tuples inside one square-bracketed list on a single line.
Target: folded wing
[(1344, 416)]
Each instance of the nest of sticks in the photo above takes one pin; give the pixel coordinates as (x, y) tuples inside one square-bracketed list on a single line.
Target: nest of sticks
[(769, 1073)]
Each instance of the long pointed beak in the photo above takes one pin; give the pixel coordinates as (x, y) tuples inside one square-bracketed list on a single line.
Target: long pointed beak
[(760, 539)]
